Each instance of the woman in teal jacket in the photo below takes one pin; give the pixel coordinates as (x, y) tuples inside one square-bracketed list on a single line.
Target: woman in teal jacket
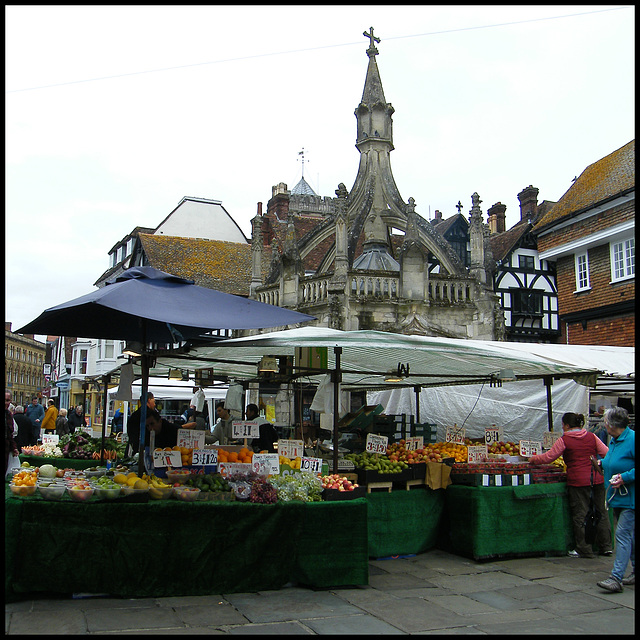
[(619, 468)]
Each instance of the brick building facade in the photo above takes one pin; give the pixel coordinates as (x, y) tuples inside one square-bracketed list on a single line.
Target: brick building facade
[(589, 233)]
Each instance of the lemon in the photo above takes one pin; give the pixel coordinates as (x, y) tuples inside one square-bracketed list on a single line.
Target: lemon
[(140, 484), (131, 474), (120, 478), (132, 481)]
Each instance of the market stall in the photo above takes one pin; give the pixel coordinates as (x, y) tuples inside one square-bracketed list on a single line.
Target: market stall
[(173, 548)]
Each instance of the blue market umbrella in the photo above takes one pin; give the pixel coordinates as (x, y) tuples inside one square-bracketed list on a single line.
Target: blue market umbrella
[(150, 306)]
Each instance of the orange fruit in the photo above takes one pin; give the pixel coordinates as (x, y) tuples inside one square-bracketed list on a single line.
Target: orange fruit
[(233, 456)]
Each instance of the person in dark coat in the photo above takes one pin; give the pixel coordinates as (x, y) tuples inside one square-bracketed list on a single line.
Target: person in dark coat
[(268, 434), (75, 419), (25, 432)]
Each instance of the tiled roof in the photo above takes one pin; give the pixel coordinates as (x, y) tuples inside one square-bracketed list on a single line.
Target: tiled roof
[(215, 264), (502, 243), (612, 175)]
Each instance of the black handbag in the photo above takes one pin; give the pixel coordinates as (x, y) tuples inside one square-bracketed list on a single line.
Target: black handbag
[(592, 518)]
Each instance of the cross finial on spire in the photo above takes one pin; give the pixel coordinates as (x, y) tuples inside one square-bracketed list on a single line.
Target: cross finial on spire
[(372, 48)]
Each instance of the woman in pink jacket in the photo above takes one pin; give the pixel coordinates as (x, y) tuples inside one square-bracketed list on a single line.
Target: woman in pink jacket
[(577, 446)]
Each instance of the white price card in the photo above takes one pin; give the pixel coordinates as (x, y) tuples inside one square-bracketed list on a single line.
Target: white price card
[(205, 457), (454, 435), (51, 438), (492, 435), (190, 438), (313, 465), (266, 464), (477, 453), (549, 438), (291, 448), (530, 448), (412, 444), (376, 443), (245, 429), (227, 468), (167, 458)]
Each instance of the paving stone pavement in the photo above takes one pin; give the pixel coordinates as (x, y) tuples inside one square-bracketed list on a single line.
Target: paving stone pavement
[(433, 592)]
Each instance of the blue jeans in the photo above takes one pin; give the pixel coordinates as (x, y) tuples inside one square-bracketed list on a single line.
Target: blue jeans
[(625, 542)]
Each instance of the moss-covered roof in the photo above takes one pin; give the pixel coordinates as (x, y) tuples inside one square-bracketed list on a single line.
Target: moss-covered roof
[(612, 175), (215, 264)]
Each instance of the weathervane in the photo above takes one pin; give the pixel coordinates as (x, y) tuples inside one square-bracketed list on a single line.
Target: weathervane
[(301, 153)]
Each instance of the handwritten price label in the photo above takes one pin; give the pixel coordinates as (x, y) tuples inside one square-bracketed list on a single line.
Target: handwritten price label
[(227, 468), (477, 453), (291, 448), (492, 435), (549, 438), (313, 465), (376, 443), (412, 444), (266, 464), (167, 459), (204, 457), (245, 429), (454, 435), (530, 448), (51, 438), (190, 438)]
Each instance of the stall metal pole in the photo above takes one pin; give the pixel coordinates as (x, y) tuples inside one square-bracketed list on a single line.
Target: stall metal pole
[(337, 376), (548, 381), (417, 389)]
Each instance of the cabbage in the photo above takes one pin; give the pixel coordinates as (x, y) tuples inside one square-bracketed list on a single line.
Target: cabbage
[(47, 471)]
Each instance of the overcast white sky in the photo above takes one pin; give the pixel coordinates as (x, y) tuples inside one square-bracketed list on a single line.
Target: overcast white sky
[(115, 113)]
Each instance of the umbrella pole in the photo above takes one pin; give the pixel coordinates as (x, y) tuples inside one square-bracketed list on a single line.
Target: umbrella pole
[(548, 381), (336, 407), (105, 382), (143, 400)]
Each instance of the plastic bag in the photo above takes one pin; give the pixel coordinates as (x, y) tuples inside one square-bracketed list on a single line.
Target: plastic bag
[(14, 463)]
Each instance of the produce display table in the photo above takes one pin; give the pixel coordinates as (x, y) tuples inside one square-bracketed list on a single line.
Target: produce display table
[(60, 463), (484, 522), (404, 522), (172, 548)]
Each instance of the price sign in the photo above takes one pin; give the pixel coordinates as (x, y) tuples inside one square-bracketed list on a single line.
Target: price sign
[(454, 435), (313, 465), (291, 448), (376, 443), (245, 429), (492, 435), (266, 464), (204, 457), (167, 458), (51, 438), (477, 453), (227, 468), (412, 444), (191, 438), (530, 448), (549, 438)]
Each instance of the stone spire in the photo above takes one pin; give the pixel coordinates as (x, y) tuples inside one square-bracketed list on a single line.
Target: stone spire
[(476, 237)]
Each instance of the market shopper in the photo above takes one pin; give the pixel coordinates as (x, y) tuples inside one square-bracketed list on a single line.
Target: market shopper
[(133, 424), (11, 449), (619, 469), (268, 435), (25, 432), (35, 413), (577, 446), (75, 419), (62, 423)]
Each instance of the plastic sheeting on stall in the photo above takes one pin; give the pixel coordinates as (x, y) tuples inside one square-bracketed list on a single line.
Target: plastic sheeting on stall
[(520, 408)]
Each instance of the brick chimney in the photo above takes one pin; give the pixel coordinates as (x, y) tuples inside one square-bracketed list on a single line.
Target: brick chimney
[(7, 326), (496, 217), (529, 203), (279, 202), (259, 208), (438, 215)]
